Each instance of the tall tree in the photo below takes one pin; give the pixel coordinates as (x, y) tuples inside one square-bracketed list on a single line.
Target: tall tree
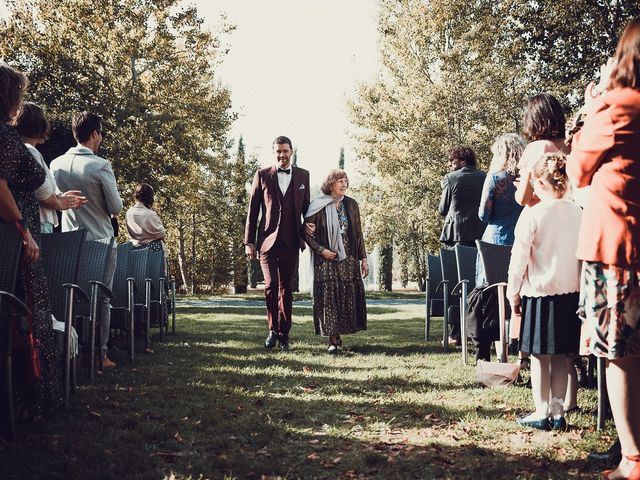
[(460, 72), (148, 68)]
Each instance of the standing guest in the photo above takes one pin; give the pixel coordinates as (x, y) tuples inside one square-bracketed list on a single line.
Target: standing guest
[(280, 196), (81, 169), (33, 127), (543, 286), (500, 211), (20, 176), (498, 207), (461, 191), (339, 262), (459, 203), (544, 127), (605, 154), (143, 224)]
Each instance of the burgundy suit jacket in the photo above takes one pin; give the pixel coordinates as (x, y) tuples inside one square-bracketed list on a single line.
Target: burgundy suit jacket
[(264, 201)]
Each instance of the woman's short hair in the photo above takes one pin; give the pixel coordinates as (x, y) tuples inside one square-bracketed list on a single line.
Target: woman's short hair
[(144, 194), (463, 153), (543, 118), (30, 122), (333, 177), (13, 84), (552, 168), (507, 150), (626, 72)]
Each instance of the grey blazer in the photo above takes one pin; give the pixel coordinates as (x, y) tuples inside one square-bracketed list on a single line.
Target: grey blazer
[(461, 192), (81, 169)]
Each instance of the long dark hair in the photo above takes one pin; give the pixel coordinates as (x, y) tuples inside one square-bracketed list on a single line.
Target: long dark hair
[(626, 73), (543, 118)]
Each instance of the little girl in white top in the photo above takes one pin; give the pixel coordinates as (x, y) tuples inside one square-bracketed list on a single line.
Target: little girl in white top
[(544, 281)]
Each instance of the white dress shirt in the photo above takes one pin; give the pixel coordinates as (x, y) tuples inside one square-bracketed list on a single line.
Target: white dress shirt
[(144, 225), (45, 190), (543, 257), (284, 179)]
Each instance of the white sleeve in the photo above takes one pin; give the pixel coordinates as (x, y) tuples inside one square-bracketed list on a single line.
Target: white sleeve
[(520, 253)]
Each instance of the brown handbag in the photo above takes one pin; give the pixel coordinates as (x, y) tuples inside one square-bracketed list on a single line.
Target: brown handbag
[(26, 350)]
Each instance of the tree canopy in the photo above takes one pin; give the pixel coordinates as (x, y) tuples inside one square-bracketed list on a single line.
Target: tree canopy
[(456, 72), (148, 68)]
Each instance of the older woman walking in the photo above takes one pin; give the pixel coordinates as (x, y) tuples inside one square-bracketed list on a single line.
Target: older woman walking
[(339, 261)]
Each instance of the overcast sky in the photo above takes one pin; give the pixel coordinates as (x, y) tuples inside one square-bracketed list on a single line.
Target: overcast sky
[(291, 68)]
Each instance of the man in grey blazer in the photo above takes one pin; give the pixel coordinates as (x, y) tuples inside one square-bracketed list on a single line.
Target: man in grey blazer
[(461, 192), (92, 175)]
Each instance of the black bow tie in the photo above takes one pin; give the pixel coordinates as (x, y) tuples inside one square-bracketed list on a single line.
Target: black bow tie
[(284, 170)]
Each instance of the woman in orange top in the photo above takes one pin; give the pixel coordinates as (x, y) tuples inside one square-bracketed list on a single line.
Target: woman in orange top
[(605, 154)]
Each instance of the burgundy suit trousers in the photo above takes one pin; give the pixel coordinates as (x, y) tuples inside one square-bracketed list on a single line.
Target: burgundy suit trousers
[(279, 266)]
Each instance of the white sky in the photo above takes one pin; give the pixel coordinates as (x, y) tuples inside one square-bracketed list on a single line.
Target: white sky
[(292, 66)]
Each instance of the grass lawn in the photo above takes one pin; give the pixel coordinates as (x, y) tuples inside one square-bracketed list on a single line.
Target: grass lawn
[(213, 403)]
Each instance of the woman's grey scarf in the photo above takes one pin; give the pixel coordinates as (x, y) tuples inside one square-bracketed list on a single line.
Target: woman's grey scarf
[(326, 202)]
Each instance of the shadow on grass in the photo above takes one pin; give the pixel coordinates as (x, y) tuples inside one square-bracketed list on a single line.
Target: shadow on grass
[(261, 311), (210, 404)]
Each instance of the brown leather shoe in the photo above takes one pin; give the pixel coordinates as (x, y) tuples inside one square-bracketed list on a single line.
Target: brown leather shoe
[(108, 363)]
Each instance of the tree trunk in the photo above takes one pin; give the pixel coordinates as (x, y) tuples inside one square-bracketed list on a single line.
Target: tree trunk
[(385, 273), (181, 256), (193, 255)]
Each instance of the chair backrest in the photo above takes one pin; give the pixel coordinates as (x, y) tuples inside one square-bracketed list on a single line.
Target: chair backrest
[(120, 277), (10, 253), (93, 264), (466, 264), (137, 269), (155, 264), (60, 259), (495, 261), (448, 266), (434, 274)]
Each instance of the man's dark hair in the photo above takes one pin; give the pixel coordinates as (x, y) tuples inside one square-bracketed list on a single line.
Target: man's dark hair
[(463, 153), (543, 118), (144, 194), (84, 124), (30, 122), (282, 139)]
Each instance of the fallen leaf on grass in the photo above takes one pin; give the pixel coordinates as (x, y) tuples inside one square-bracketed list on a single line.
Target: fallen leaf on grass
[(430, 416), (95, 414), (313, 456), (183, 453), (178, 437), (306, 369), (264, 451)]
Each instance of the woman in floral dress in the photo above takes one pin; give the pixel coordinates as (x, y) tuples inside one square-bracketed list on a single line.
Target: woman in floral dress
[(20, 176), (339, 262)]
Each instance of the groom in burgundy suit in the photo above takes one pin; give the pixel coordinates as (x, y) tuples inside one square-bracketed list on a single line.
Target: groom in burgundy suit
[(280, 194)]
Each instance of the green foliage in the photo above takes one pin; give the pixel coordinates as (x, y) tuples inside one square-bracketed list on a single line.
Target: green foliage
[(341, 159), (457, 72), (148, 68)]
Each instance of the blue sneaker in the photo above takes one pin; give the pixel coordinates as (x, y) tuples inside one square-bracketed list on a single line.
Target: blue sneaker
[(540, 424)]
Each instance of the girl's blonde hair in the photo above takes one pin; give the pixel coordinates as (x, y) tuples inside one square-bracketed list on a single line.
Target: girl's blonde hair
[(552, 168)]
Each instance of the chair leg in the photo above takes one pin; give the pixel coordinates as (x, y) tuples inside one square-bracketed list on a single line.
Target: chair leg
[(445, 319), (602, 394), (173, 307), (7, 393)]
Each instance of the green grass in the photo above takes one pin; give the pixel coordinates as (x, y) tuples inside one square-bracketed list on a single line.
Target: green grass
[(213, 403)]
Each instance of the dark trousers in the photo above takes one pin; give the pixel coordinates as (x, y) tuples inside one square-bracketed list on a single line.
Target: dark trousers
[(278, 266)]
